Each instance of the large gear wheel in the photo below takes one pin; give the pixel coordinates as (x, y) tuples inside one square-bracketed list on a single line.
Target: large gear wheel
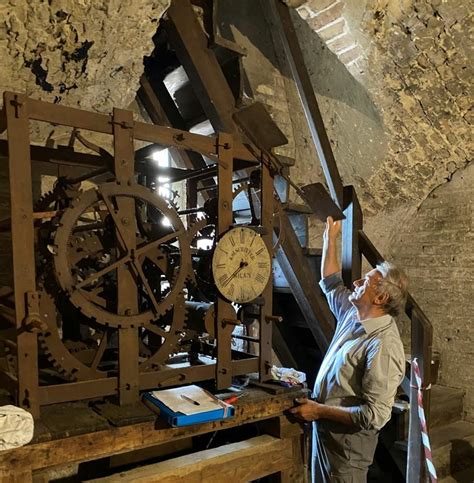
[(83, 286), (76, 360)]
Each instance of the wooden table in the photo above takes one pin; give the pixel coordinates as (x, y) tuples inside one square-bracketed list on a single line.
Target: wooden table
[(71, 434)]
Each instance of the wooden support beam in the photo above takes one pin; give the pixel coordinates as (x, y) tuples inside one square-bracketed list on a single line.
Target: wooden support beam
[(3, 119), (351, 225), (281, 18), (244, 461), (154, 102), (281, 349), (201, 65)]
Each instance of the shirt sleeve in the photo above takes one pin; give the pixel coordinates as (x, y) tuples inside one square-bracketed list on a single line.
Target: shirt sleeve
[(337, 295), (384, 369)]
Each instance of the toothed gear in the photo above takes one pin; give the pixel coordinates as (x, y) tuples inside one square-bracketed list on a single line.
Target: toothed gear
[(68, 275), (79, 360), (59, 353), (170, 329), (62, 193), (7, 301), (200, 282), (239, 189)]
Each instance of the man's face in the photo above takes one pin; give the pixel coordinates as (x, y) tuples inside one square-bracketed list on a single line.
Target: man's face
[(365, 289)]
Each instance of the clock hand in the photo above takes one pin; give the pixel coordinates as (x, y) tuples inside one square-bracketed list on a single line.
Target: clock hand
[(241, 266)]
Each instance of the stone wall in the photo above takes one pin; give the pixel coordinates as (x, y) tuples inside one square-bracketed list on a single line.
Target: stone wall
[(86, 54), (435, 246), (415, 68)]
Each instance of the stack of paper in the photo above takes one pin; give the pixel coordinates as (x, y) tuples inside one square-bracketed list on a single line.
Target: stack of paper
[(187, 405)]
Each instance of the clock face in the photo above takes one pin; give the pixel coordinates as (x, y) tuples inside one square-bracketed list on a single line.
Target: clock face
[(241, 265)]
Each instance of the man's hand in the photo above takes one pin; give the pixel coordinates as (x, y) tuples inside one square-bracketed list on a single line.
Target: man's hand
[(332, 230), (306, 410)]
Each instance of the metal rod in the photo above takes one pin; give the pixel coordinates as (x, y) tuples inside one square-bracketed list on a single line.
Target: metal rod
[(246, 337), (190, 211), (235, 181)]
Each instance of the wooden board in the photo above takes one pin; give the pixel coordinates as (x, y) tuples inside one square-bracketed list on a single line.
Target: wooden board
[(71, 419), (257, 406), (257, 119), (243, 461), (124, 415)]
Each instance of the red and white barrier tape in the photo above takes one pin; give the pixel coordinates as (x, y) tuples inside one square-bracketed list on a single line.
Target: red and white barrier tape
[(424, 430)]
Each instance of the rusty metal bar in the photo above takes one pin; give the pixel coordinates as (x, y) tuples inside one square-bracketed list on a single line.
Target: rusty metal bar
[(266, 311), (148, 380), (68, 116), (23, 254), (127, 290), (59, 155), (177, 138), (167, 136), (281, 18), (224, 222)]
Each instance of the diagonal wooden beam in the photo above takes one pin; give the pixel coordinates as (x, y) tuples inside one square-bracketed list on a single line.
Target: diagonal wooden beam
[(281, 19), (201, 65), (151, 102)]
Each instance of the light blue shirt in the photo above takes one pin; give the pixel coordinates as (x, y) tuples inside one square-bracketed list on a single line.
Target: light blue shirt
[(364, 364)]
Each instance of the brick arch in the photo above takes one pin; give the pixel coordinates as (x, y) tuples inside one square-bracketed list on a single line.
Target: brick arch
[(326, 18)]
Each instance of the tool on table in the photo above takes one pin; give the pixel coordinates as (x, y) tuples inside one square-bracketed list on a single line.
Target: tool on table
[(196, 403), (235, 398)]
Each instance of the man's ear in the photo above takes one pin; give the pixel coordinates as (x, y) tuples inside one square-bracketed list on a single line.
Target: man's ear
[(381, 299)]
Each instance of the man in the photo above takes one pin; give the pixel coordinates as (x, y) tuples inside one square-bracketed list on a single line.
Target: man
[(358, 378)]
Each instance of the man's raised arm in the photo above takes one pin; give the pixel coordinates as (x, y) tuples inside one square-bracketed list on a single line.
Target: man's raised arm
[(329, 263)]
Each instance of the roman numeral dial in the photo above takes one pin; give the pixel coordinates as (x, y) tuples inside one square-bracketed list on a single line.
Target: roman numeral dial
[(241, 265)]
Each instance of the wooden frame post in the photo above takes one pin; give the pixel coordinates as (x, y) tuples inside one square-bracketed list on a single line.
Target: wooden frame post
[(24, 275)]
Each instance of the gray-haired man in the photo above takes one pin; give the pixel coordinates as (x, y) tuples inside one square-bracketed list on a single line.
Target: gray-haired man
[(358, 378)]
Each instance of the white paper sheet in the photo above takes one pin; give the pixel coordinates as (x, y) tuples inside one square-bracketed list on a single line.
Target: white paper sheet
[(183, 399)]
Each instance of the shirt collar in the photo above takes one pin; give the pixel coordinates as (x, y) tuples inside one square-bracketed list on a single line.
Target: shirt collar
[(373, 324)]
